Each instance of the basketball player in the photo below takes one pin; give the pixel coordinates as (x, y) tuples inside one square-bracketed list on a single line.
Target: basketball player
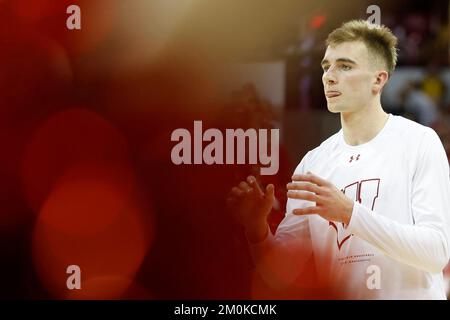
[(371, 204)]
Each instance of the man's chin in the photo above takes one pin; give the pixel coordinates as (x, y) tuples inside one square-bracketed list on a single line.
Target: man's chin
[(334, 108)]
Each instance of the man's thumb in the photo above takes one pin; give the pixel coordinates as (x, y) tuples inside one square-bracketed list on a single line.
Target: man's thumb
[(270, 193)]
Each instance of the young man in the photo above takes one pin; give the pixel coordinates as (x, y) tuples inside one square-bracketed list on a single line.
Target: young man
[(371, 204)]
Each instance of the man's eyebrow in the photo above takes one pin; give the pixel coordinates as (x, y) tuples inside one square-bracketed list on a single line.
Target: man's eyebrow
[(325, 61)]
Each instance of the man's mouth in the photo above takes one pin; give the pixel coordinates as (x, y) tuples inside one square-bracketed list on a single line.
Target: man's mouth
[(332, 94)]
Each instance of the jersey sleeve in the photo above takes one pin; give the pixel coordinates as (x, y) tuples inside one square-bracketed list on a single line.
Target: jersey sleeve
[(280, 258), (425, 243)]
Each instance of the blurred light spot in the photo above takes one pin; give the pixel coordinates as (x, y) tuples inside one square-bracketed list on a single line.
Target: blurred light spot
[(115, 251), (87, 199), (68, 139), (318, 21)]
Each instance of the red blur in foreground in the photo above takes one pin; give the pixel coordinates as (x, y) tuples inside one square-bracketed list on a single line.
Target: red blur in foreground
[(78, 177), (82, 224), (98, 18), (66, 140)]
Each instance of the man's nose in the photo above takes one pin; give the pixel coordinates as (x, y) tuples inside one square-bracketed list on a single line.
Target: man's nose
[(329, 77)]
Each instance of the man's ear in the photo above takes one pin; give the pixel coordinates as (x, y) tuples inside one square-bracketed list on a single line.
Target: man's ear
[(381, 77)]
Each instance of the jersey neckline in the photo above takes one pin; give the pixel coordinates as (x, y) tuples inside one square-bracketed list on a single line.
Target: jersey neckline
[(370, 142)]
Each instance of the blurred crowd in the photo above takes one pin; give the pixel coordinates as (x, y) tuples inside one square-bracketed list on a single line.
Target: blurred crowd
[(424, 100)]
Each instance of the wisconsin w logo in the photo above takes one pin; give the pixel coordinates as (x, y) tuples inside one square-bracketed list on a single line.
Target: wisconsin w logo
[(366, 193)]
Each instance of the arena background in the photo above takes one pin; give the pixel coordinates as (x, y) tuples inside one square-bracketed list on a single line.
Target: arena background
[(86, 116)]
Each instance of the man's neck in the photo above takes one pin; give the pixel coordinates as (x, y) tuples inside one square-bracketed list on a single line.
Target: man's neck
[(362, 126)]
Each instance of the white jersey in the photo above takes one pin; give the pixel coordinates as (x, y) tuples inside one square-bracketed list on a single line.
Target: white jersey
[(397, 241)]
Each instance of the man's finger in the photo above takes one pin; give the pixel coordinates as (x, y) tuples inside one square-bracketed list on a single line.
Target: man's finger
[(269, 196), (307, 210), (254, 184), (237, 192), (308, 196), (309, 177), (304, 186), (245, 187)]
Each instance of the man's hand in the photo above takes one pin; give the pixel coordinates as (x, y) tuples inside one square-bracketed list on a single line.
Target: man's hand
[(251, 206), (331, 203)]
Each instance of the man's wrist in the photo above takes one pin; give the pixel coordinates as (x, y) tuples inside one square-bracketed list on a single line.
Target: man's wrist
[(348, 212), (257, 234)]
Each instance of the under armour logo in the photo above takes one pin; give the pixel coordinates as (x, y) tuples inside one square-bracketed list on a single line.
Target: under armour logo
[(353, 158)]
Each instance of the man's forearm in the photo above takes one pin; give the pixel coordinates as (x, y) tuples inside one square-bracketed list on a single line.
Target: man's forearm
[(279, 259), (257, 233), (422, 246)]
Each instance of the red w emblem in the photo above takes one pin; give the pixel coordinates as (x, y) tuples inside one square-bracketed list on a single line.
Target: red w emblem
[(341, 242), (369, 189)]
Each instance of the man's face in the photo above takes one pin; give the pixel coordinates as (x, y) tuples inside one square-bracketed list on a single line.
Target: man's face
[(348, 77)]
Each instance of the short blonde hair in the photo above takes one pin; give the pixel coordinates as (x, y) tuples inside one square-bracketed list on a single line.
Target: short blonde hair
[(379, 40)]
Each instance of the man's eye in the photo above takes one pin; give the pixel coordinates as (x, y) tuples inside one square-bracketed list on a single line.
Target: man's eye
[(326, 68), (346, 67)]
